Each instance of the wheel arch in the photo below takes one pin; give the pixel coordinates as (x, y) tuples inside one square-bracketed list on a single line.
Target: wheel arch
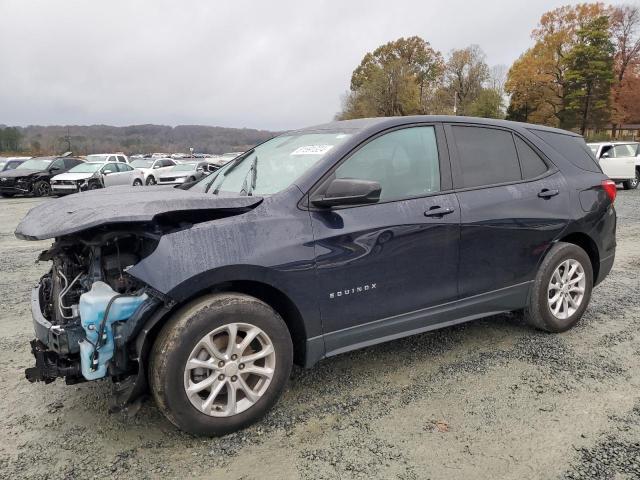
[(587, 243), (269, 294)]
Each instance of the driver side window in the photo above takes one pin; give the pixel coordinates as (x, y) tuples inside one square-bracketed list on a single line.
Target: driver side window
[(404, 162), (109, 167)]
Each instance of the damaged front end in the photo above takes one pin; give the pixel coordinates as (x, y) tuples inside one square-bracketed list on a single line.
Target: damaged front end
[(87, 311)]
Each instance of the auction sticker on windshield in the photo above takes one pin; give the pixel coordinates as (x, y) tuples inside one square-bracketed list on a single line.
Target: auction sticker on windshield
[(312, 150)]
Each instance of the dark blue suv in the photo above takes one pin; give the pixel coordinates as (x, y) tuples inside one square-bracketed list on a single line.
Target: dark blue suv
[(314, 243)]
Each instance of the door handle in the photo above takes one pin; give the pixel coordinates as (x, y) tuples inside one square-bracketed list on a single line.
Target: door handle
[(438, 211), (546, 193)]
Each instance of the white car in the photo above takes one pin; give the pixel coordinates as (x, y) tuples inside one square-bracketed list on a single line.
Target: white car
[(93, 175), (619, 161), (107, 157), (153, 168)]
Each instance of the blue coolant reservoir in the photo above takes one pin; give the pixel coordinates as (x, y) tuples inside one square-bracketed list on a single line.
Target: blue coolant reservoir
[(92, 309)]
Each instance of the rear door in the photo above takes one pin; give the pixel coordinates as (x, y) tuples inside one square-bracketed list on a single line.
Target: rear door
[(513, 203), (125, 174), (379, 261)]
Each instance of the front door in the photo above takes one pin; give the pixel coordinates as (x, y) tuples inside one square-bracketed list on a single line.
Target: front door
[(110, 174), (377, 262)]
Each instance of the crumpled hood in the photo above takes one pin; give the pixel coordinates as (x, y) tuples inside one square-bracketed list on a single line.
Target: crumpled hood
[(24, 172), (73, 176), (82, 211)]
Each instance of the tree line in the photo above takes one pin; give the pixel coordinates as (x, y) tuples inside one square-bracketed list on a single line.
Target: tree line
[(583, 71), (82, 140)]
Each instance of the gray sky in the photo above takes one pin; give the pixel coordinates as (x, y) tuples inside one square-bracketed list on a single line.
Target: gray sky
[(257, 64)]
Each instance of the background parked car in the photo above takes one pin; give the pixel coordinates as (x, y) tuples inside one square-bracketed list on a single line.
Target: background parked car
[(186, 172), (31, 177), (108, 157), (153, 168), (94, 175), (9, 163), (619, 161)]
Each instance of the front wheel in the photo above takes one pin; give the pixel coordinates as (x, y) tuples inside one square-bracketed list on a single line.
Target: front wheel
[(151, 181), (632, 183), (220, 364), (41, 188), (562, 289), (137, 182)]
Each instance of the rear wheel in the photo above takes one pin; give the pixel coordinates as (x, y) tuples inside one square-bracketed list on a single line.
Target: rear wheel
[(137, 182), (562, 289), (632, 183), (41, 188), (220, 364), (151, 180)]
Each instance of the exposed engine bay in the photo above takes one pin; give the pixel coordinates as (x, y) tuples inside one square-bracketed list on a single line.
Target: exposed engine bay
[(89, 307)]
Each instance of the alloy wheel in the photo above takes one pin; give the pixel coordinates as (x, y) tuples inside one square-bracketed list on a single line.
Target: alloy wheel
[(566, 289), (229, 369), (44, 189), (634, 181)]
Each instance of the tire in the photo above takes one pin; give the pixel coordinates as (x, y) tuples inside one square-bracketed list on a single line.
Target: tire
[(539, 312), (180, 339), (41, 188), (632, 183), (7, 195), (94, 186), (150, 180), (137, 182)]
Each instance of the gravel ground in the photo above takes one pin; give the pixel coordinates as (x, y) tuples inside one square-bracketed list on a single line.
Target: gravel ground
[(489, 399)]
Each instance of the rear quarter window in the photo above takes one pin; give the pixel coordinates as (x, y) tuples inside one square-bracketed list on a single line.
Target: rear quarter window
[(572, 148)]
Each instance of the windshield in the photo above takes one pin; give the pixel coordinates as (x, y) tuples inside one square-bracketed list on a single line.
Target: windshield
[(35, 164), (274, 165), (184, 167), (142, 163), (97, 158), (86, 168)]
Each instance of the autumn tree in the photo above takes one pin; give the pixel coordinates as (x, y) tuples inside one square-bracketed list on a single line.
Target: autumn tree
[(397, 78), (537, 81), (625, 34)]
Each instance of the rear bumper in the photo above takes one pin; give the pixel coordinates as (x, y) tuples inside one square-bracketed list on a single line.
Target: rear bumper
[(606, 264)]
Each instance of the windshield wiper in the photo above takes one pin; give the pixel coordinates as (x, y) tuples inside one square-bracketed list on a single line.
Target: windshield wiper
[(253, 171), (235, 162)]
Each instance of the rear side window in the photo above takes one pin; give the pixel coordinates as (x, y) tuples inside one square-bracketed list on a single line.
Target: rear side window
[(530, 162), (487, 156), (123, 167), (121, 159), (404, 162), (572, 148)]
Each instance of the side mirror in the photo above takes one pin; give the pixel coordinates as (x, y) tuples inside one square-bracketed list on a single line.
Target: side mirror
[(605, 155), (156, 166), (348, 191), (106, 172)]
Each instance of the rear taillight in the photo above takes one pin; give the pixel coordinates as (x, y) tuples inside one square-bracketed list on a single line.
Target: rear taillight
[(610, 188)]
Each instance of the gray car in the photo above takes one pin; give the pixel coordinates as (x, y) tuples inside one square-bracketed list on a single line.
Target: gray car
[(186, 172)]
